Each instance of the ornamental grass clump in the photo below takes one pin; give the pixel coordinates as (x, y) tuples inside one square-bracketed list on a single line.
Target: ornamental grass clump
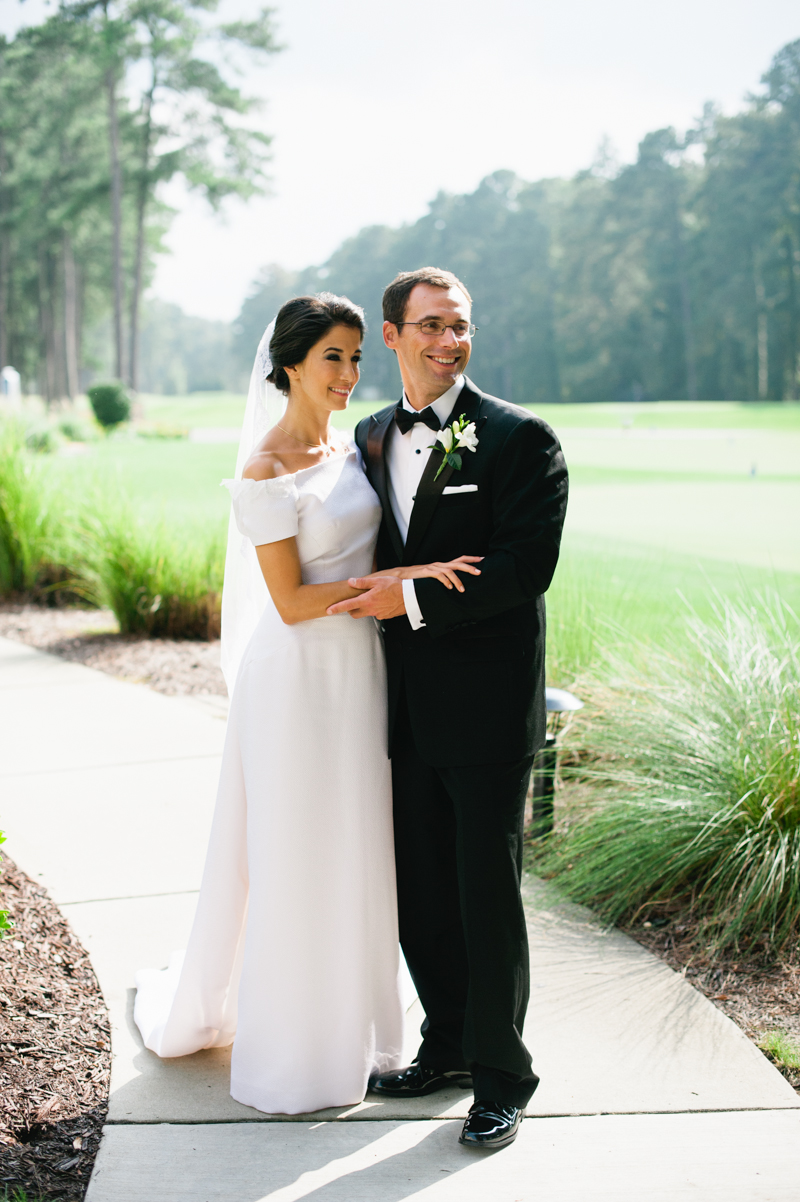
[(155, 582), (781, 1048), (693, 769), (33, 551)]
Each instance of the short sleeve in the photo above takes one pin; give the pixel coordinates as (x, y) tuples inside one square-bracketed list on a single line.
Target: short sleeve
[(265, 511)]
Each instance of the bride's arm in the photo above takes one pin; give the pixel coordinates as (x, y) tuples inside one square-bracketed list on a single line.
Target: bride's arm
[(295, 601)]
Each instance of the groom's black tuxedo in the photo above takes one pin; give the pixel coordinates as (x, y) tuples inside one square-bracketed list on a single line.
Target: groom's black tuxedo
[(474, 675), (467, 714)]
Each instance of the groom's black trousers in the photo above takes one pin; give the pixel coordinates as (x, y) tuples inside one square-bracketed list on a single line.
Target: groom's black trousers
[(458, 846)]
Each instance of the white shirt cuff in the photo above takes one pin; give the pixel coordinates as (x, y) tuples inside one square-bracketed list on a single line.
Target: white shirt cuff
[(413, 611)]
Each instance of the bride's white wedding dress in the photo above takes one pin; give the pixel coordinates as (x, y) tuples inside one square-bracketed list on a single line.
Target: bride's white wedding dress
[(294, 953)]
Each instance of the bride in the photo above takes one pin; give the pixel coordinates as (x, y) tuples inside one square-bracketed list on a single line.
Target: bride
[(294, 953)]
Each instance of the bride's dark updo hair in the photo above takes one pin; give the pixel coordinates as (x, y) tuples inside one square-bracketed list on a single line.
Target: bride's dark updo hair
[(301, 323)]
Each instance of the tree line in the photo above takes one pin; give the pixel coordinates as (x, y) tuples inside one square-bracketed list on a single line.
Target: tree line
[(674, 277), (99, 105)]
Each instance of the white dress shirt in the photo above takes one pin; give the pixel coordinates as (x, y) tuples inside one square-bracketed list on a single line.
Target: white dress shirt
[(406, 458)]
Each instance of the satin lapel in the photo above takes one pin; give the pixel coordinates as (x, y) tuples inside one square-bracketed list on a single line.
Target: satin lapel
[(376, 458), (430, 489)]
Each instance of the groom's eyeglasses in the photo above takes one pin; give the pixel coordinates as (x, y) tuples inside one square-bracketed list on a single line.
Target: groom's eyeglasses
[(461, 329)]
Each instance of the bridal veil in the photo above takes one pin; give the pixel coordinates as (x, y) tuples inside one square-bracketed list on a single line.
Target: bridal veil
[(244, 593)]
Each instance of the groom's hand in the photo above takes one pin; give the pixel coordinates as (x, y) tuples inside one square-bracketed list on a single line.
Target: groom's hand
[(382, 600)]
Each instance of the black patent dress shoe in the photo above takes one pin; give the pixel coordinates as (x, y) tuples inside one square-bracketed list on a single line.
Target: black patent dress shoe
[(416, 1081), (490, 1126)]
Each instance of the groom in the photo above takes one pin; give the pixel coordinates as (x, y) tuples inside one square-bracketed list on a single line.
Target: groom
[(466, 692)]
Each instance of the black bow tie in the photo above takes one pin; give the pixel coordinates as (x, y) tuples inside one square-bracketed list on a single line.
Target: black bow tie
[(406, 419)]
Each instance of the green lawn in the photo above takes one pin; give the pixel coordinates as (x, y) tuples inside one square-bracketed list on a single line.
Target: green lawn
[(608, 592), (750, 522), (170, 478), (198, 409), (580, 473), (740, 454), (709, 415)]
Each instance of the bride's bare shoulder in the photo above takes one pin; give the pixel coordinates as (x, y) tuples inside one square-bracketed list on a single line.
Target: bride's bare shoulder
[(265, 465)]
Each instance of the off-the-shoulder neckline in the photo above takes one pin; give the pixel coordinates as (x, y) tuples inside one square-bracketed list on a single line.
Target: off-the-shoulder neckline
[(312, 467)]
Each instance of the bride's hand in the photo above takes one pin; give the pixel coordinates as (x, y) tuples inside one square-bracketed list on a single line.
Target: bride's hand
[(446, 573)]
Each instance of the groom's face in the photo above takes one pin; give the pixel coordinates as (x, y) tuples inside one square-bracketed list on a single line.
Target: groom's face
[(431, 362)]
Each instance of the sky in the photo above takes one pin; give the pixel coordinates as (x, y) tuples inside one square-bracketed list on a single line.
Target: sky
[(375, 107)]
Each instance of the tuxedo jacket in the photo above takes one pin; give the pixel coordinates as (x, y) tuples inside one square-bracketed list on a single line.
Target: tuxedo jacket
[(474, 674)]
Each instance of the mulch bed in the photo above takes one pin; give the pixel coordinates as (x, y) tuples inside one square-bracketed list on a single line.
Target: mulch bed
[(90, 637), (55, 1048)]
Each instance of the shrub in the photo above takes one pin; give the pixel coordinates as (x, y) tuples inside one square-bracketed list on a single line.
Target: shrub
[(156, 583), (110, 404), (695, 775)]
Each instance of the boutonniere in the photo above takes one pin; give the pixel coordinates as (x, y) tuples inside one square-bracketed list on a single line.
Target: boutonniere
[(458, 436)]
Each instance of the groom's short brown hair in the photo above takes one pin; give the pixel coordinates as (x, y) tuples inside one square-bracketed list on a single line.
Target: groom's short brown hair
[(395, 298)]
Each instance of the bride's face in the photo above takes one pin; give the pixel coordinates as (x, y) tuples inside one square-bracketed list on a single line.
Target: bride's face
[(330, 371)]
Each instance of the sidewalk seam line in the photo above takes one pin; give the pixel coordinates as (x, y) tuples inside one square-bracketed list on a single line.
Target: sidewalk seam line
[(89, 901), (567, 1114)]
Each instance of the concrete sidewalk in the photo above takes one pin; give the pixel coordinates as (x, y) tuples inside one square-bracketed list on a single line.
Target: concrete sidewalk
[(648, 1091)]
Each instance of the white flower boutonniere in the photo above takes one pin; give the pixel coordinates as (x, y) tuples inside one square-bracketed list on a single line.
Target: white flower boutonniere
[(458, 436)]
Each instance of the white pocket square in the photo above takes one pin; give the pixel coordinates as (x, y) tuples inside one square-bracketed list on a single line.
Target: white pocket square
[(459, 488)]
